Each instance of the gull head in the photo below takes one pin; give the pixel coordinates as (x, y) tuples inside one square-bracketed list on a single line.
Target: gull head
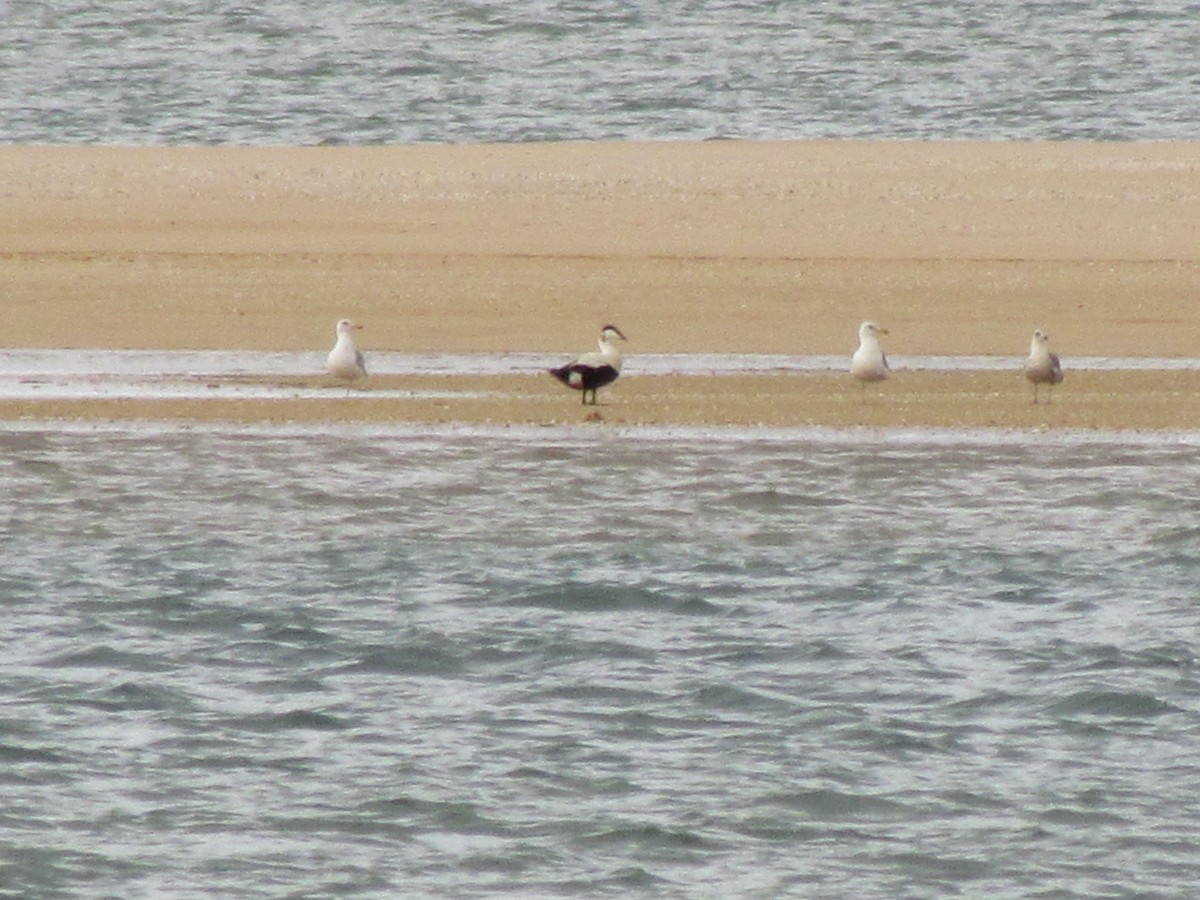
[(870, 329), (345, 326)]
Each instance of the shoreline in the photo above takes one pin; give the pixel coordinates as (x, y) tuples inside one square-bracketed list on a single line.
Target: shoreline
[(1098, 400), (958, 248)]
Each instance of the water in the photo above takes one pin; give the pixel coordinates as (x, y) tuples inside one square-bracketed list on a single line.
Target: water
[(266, 662), (402, 71)]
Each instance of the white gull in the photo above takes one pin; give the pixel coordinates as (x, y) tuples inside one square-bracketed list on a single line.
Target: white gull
[(869, 362), (345, 360)]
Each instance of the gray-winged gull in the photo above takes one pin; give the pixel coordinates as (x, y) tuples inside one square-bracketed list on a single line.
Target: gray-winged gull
[(869, 362), (345, 360), (1042, 367)]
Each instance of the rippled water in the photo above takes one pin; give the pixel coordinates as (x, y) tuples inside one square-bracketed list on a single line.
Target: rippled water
[(400, 71), (584, 661)]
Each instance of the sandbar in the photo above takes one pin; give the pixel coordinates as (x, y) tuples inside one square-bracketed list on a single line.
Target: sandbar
[(959, 249)]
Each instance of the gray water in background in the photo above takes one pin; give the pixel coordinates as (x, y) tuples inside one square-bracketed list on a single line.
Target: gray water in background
[(400, 71), (588, 662)]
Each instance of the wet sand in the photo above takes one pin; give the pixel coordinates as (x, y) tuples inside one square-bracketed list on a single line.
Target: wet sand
[(958, 248), (1141, 400)]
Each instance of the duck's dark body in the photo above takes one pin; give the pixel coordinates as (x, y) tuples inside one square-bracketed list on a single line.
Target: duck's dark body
[(585, 378)]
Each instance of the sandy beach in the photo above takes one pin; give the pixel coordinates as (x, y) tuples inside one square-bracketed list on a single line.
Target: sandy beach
[(715, 247)]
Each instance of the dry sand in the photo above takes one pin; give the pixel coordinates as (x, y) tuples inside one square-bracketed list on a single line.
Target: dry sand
[(958, 248)]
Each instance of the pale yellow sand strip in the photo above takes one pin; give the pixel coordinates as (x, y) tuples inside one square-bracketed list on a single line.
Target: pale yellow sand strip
[(958, 249), (1153, 400)]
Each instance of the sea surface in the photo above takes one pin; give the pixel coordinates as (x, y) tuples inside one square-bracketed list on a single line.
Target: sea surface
[(587, 661), (404, 71)]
